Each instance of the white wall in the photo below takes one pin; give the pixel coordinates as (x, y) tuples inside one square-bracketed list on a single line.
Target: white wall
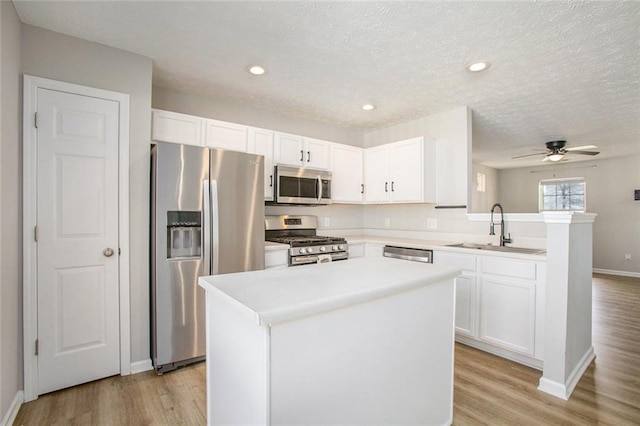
[(610, 184), (187, 103), (59, 57), (11, 377)]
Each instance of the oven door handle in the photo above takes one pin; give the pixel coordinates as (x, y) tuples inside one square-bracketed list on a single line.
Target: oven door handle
[(319, 190)]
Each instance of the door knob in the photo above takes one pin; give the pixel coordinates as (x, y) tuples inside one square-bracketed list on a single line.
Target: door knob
[(108, 252)]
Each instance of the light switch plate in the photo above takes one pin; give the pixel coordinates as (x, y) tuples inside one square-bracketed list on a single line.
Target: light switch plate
[(432, 223)]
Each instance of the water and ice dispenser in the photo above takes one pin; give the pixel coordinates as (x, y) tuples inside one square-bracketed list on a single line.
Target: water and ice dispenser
[(184, 234)]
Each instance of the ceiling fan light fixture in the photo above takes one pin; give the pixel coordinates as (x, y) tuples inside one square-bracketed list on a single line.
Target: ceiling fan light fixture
[(478, 66), (556, 156)]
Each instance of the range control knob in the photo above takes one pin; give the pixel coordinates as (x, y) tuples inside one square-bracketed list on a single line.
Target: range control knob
[(340, 247), (323, 248), (303, 250), (310, 250), (334, 248)]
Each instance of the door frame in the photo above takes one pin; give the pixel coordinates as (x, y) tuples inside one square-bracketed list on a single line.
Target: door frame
[(31, 85)]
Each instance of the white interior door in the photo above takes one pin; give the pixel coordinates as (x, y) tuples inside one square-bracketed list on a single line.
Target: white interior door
[(77, 248)]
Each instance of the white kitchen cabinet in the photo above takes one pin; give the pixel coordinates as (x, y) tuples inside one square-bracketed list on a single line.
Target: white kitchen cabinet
[(299, 151), (356, 250), (347, 179), (466, 290), (260, 141), (395, 173), (508, 313), (167, 126), (373, 250), (276, 258), (223, 135)]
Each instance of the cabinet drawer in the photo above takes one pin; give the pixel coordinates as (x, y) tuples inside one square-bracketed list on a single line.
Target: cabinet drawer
[(463, 261), (509, 268)]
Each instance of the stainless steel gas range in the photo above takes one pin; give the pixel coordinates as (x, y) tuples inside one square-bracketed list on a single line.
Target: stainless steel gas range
[(305, 246)]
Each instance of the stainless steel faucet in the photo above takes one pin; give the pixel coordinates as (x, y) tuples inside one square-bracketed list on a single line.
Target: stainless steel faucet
[(503, 240)]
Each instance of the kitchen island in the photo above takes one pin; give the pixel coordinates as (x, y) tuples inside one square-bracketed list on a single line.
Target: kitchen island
[(359, 341)]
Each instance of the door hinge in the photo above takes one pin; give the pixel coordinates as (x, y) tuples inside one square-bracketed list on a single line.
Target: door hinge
[(36, 347), (35, 233), (35, 120)]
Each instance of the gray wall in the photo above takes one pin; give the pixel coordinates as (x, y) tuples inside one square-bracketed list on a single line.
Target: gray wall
[(481, 202), (59, 57), (610, 184), (11, 378), (188, 103)]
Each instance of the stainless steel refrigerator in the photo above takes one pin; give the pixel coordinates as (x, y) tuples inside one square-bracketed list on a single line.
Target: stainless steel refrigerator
[(207, 218)]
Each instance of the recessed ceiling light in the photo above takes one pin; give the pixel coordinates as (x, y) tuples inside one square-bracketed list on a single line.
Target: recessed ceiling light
[(257, 70), (368, 107), (479, 66)]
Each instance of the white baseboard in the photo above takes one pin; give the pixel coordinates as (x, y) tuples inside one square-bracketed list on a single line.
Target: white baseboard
[(504, 353), (141, 366), (618, 273), (564, 390), (11, 414)]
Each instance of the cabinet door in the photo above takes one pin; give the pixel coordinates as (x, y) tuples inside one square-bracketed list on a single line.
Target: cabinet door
[(405, 170), (346, 180), (177, 128), (376, 173), (466, 305), (316, 155), (220, 134), (261, 142), (289, 149), (507, 316)]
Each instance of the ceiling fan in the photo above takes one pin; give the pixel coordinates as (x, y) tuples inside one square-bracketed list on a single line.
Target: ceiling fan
[(556, 151)]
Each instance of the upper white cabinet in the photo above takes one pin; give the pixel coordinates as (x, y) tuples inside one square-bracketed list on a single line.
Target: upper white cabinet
[(220, 134), (260, 141), (396, 172), (299, 151), (347, 174), (177, 128)]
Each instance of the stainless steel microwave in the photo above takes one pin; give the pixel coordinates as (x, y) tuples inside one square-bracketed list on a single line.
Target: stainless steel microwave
[(299, 185)]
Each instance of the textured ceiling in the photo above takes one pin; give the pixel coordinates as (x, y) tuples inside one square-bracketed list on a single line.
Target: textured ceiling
[(560, 70)]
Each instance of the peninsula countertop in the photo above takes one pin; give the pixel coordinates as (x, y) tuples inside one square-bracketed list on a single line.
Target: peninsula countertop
[(277, 295)]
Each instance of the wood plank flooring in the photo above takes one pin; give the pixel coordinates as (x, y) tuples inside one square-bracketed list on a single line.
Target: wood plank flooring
[(488, 389)]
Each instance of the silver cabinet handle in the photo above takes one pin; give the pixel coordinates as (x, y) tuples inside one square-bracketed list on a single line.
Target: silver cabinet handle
[(392, 189), (301, 155), (362, 188), (386, 187), (108, 252), (308, 156)]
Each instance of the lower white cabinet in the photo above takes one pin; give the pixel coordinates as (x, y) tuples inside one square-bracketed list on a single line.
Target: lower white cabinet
[(356, 250), (499, 304), (507, 316), (275, 258)]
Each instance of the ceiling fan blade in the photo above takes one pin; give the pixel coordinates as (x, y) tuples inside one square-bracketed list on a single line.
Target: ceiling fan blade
[(529, 155), (581, 148), (585, 152)]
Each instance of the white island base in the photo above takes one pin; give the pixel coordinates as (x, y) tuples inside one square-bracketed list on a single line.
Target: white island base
[(363, 341)]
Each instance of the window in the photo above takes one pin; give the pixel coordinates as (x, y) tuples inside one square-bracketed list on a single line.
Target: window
[(562, 194)]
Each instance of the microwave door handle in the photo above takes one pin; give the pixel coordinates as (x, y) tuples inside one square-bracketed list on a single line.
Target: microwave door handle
[(319, 192)]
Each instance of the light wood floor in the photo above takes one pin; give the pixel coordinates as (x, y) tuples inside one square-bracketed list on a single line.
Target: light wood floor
[(488, 389)]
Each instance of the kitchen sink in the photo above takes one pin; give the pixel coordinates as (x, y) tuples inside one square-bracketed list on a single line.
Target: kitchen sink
[(506, 249)]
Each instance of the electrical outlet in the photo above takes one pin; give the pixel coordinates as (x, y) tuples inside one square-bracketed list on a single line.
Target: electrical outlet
[(432, 223), (327, 222), (627, 256), (387, 222)]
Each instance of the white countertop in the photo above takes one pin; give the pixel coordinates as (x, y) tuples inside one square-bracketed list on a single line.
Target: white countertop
[(276, 295)]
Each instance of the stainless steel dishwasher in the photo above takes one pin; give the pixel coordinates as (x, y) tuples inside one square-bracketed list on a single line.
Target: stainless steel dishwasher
[(417, 255)]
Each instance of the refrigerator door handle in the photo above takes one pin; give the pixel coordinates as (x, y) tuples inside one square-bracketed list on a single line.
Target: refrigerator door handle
[(206, 223), (215, 230)]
